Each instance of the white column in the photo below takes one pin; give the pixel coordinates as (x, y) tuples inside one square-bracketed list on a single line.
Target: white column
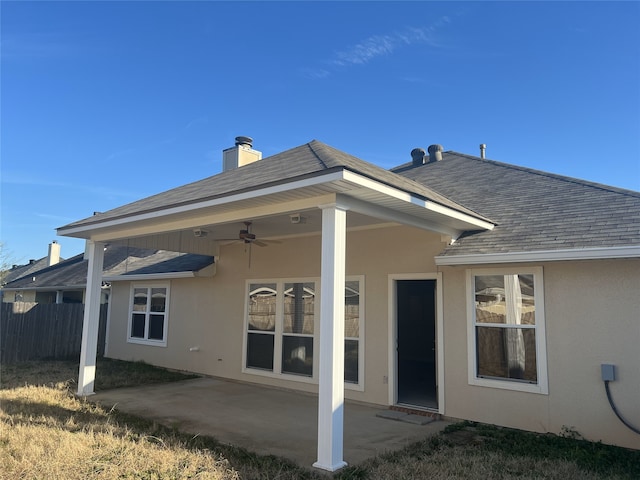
[(59, 296), (331, 358), (89, 348)]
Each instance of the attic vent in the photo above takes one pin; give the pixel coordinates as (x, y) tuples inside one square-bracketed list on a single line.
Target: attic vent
[(435, 153), (418, 156)]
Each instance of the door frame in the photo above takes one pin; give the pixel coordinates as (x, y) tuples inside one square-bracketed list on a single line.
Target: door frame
[(393, 334)]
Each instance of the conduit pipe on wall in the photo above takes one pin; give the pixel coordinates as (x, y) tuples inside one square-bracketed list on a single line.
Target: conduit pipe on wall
[(609, 375)]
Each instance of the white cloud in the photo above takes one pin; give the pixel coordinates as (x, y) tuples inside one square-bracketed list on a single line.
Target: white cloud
[(377, 46)]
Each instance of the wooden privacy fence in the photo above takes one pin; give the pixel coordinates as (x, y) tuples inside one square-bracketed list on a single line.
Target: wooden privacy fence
[(31, 331)]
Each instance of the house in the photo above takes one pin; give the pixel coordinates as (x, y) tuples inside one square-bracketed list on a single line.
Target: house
[(455, 284), (19, 271), (65, 281)]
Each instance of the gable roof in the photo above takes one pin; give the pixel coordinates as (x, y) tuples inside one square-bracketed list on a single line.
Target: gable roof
[(534, 210), (118, 261), (311, 159)]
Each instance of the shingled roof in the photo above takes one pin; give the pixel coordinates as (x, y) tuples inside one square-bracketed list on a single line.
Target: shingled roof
[(18, 271), (534, 210), (118, 260), (308, 160)]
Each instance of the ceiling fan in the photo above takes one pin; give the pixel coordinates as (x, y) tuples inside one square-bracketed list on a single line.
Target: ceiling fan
[(247, 237)]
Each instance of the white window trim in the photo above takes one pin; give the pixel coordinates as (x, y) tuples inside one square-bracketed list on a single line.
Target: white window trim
[(542, 387), (145, 341), (360, 385), (278, 333)]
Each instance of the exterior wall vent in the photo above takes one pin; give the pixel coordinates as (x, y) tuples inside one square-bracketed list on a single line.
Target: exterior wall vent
[(240, 155)]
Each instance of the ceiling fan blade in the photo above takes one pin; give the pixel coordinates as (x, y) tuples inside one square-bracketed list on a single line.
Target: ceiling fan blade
[(259, 243)]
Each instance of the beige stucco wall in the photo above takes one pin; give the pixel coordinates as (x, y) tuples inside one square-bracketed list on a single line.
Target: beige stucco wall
[(592, 317), (27, 296), (209, 312), (592, 311)]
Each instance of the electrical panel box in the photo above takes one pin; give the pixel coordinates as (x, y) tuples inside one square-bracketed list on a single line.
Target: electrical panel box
[(608, 372)]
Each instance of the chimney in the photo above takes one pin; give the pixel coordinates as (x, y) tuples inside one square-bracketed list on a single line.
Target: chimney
[(240, 155), (54, 254), (435, 153), (483, 149)]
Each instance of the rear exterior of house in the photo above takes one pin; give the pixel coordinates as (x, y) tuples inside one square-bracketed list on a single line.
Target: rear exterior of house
[(453, 284)]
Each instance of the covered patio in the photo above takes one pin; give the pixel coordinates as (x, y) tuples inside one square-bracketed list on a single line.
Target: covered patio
[(266, 420), (309, 191)]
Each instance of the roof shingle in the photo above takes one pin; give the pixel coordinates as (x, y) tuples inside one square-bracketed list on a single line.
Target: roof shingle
[(535, 210)]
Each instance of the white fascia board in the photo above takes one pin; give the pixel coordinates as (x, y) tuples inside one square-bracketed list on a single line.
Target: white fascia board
[(409, 198), (307, 182), (346, 175), (383, 213), (599, 253), (148, 276)]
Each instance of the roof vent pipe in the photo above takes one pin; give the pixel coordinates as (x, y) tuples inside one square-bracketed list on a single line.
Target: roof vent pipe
[(418, 156), (483, 149), (435, 153)]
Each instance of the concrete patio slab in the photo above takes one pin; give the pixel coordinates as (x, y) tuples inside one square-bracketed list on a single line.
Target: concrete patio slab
[(261, 419)]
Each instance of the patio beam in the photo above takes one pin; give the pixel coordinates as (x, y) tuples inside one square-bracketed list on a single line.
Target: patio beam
[(331, 358), (91, 320)]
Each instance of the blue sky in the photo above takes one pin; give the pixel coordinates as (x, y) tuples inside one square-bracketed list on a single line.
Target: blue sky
[(103, 103)]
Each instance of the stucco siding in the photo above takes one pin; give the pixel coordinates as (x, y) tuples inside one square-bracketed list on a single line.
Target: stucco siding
[(592, 317), (208, 313)]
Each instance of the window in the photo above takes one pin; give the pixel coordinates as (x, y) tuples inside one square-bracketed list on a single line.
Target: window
[(282, 328), (352, 310), (506, 329), (148, 314)]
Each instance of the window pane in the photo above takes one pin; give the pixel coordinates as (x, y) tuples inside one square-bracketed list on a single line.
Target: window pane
[(140, 299), (299, 299), (507, 353), (262, 307), (352, 309), (158, 299), (506, 299), (260, 351), (351, 361), (156, 327), (297, 355), (137, 325)]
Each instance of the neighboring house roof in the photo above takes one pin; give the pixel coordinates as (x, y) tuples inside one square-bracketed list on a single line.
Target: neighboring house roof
[(118, 261), (534, 210), (308, 160), (18, 271)]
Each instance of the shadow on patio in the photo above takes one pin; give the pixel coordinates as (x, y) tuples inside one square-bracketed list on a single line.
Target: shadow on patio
[(264, 420)]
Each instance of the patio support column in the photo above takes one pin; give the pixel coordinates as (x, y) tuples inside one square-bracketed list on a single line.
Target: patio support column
[(331, 358), (89, 347)]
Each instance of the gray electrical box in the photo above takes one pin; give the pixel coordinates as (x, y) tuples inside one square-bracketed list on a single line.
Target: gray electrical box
[(608, 372)]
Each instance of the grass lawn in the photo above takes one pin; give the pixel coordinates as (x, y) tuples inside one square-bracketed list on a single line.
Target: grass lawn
[(48, 433)]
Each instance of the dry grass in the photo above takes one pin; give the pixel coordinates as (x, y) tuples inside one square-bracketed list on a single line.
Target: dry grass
[(462, 462), (46, 432), (110, 374)]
